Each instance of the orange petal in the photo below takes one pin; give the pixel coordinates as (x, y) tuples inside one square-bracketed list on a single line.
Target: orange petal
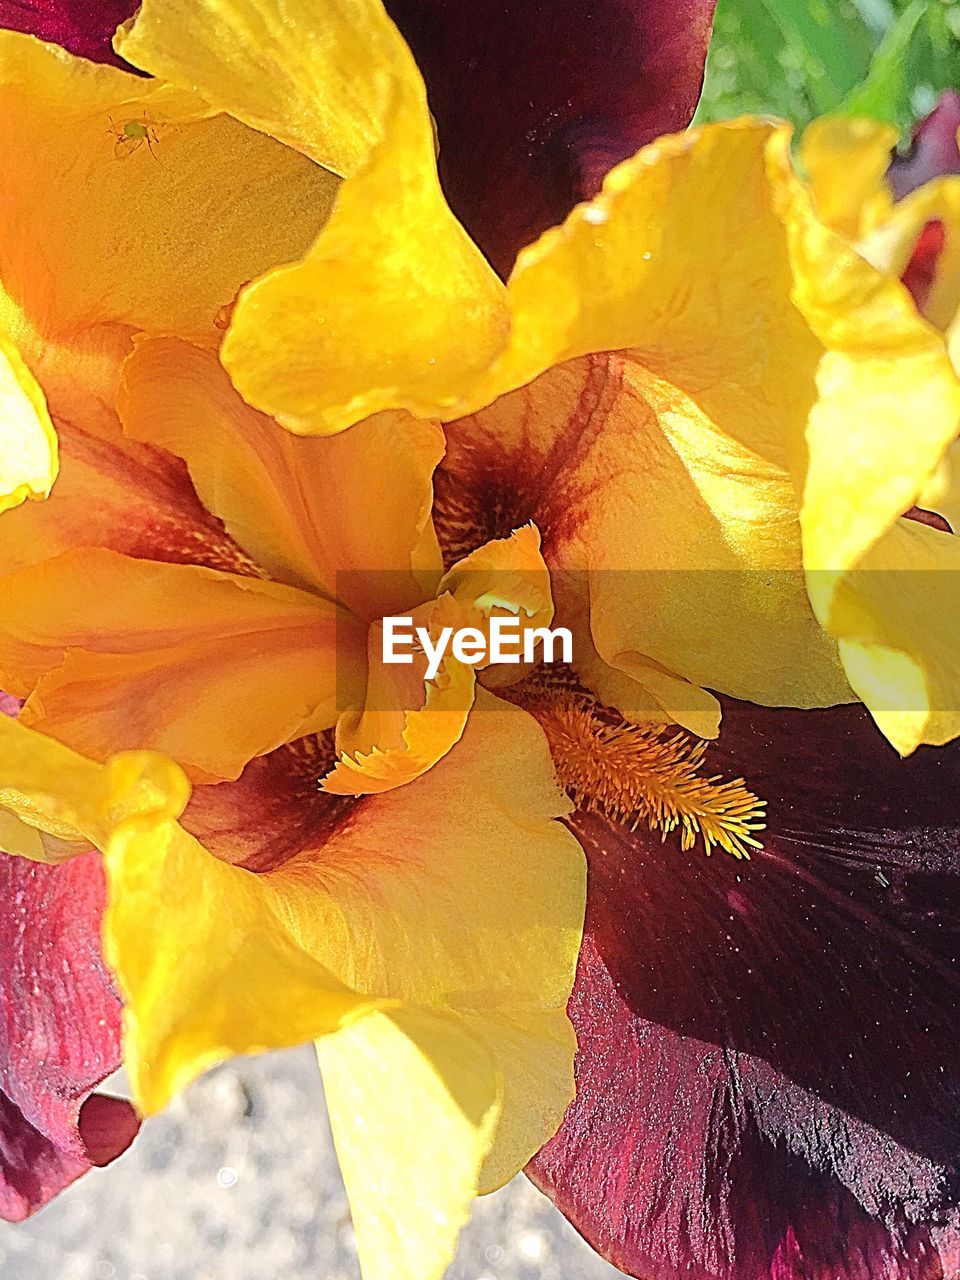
[(157, 235), (208, 667), (348, 516), (121, 495)]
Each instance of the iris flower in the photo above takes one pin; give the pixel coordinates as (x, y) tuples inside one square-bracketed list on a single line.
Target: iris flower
[(307, 398)]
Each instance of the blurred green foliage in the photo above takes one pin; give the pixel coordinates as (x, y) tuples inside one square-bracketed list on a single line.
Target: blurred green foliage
[(888, 59)]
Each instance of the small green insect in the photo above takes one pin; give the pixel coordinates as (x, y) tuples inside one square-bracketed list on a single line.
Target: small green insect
[(132, 134)]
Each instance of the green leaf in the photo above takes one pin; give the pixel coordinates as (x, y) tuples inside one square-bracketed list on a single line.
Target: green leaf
[(835, 52), (886, 93), (803, 58)]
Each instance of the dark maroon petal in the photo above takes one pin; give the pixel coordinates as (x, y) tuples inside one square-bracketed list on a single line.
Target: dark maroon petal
[(59, 1033), (536, 99), (768, 1079), (934, 152), (85, 27), (106, 1126)]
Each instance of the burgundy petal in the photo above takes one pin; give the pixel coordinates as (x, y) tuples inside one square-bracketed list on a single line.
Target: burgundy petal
[(768, 1080), (934, 151), (921, 273), (85, 27), (536, 99), (59, 1033)]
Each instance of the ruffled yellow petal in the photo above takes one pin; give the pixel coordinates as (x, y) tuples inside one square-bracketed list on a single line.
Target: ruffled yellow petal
[(783, 365), (413, 1103), (70, 803), (158, 231), (889, 401), (393, 283), (205, 965), (605, 453), (887, 414), (475, 879), (845, 161), (699, 408), (504, 576), (205, 962), (898, 614), (347, 516), (28, 442), (209, 667)]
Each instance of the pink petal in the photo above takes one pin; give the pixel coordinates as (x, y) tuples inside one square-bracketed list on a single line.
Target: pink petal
[(59, 1033), (934, 152), (85, 27)]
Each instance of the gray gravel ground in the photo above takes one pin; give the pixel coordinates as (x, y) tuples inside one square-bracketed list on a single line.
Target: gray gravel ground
[(238, 1181)]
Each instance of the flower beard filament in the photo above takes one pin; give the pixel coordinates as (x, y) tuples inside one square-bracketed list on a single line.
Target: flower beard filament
[(635, 774)]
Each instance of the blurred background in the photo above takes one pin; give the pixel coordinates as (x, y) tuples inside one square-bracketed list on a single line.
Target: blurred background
[(238, 1179), (888, 59)]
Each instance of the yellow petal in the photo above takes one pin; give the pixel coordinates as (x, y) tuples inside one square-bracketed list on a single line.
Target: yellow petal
[(70, 803), (504, 576), (846, 161), (464, 933), (393, 307), (348, 516), (28, 442), (466, 872), (785, 364), (206, 967), (209, 667), (605, 455), (695, 402), (887, 415), (618, 275), (157, 232), (889, 400), (898, 616), (413, 1104)]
